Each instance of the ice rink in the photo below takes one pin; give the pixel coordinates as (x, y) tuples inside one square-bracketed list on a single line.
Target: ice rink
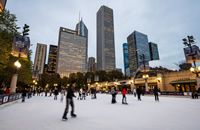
[(45, 113)]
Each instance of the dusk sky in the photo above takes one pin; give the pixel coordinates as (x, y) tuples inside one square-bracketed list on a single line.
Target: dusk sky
[(165, 22)]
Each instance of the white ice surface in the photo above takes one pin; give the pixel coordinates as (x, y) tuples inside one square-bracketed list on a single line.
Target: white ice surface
[(44, 113)]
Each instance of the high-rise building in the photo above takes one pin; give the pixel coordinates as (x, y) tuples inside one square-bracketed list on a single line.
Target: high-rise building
[(40, 58), (82, 30), (52, 59), (137, 46), (91, 64), (71, 53), (46, 69), (126, 60), (105, 39), (153, 48)]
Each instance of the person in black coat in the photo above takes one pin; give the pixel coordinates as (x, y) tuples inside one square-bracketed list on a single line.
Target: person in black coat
[(55, 93), (138, 91), (155, 91), (24, 94), (69, 101)]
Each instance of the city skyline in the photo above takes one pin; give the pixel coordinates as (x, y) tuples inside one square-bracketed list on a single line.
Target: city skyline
[(166, 30)]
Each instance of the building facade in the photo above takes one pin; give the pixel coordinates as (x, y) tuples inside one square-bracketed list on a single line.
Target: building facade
[(40, 58), (71, 53), (126, 60), (52, 59), (105, 39), (82, 30), (91, 64), (153, 48), (137, 46)]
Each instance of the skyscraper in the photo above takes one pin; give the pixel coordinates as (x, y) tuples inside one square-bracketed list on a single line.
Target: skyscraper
[(82, 30), (153, 48), (40, 58), (105, 39), (91, 64), (137, 46), (126, 60), (71, 53), (52, 59)]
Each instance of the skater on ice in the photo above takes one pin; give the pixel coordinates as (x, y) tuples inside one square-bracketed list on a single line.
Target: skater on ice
[(69, 100)]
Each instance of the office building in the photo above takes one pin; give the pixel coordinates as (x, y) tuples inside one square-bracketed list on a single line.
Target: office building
[(153, 48), (126, 60), (91, 64), (52, 59), (40, 58), (137, 46), (71, 53), (105, 39)]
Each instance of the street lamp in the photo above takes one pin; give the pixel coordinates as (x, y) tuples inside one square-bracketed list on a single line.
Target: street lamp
[(14, 78), (188, 42), (145, 77)]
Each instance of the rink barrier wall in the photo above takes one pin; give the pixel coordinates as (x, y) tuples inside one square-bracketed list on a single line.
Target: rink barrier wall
[(5, 98)]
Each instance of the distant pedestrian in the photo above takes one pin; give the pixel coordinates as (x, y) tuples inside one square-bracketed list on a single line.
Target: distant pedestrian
[(69, 100), (29, 93), (55, 93), (124, 95), (155, 91), (7, 90), (114, 93), (80, 94), (134, 92), (62, 94), (138, 90), (24, 94), (84, 93), (196, 94)]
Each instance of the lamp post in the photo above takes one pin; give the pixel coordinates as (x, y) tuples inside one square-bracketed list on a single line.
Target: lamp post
[(145, 77), (188, 42), (14, 78)]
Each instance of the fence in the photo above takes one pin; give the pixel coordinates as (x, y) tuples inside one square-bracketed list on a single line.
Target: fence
[(5, 98)]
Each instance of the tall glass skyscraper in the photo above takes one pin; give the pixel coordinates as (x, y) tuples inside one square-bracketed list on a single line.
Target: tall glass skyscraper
[(82, 30), (52, 59), (91, 64), (153, 48), (105, 39), (40, 58), (72, 52), (126, 60), (137, 45)]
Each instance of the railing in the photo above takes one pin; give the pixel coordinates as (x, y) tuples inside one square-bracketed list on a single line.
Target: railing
[(5, 98)]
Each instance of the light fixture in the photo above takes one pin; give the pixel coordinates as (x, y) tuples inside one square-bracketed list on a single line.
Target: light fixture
[(17, 64)]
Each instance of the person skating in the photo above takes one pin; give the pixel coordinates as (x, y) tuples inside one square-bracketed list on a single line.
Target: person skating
[(113, 92), (134, 92), (24, 94), (69, 100), (80, 94), (55, 93), (84, 93), (155, 91), (138, 93), (124, 95), (62, 94)]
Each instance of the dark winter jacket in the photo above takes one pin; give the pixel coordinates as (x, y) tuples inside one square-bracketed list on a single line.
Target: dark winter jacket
[(155, 90), (138, 91), (70, 92), (24, 93), (56, 92)]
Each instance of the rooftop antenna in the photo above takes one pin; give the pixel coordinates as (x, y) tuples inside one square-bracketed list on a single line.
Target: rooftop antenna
[(79, 24)]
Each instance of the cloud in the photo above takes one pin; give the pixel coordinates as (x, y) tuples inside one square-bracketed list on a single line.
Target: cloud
[(165, 22)]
